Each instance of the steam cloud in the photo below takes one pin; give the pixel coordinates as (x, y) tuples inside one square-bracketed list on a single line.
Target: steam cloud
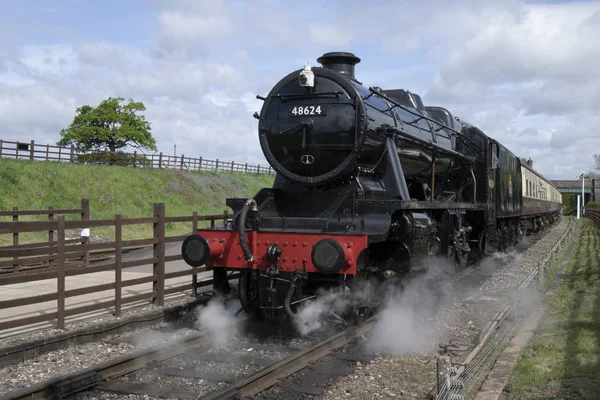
[(402, 323), (218, 321), (314, 316), (330, 306), (404, 320)]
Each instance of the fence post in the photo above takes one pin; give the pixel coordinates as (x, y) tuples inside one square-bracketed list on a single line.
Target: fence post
[(47, 151), (105, 156), (200, 164), (181, 166), (116, 158), (246, 167), (258, 169), (118, 266), (1, 148), (134, 158), (160, 160), (85, 216), (60, 281), (232, 165), (15, 218), (158, 268), (31, 151), (59, 152), (225, 218), (50, 233), (194, 269), (84, 157), (72, 153)]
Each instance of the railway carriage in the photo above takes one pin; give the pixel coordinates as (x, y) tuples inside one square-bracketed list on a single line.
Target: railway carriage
[(541, 199), (370, 183)]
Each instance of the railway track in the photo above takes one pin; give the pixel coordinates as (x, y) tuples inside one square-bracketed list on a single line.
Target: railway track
[(195, 368)]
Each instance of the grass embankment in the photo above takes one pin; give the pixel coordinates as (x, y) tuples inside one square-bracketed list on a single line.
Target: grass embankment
[(563, 359), (113, 190)]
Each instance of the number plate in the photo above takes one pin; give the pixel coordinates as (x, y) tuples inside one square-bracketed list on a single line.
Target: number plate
[(310, 111)]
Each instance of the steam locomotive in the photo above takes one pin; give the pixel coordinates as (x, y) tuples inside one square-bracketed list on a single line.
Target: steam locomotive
[(370, 183)]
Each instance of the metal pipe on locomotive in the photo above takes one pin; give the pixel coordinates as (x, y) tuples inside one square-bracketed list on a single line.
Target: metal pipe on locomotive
[(370, 183)]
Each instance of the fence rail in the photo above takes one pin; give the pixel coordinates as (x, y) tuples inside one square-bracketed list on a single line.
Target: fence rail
[(45, 152), (29, 256), (51, 213), (58, 250), (593, 214)]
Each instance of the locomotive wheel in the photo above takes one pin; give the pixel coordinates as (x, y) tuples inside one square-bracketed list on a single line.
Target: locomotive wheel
[(249, 294)]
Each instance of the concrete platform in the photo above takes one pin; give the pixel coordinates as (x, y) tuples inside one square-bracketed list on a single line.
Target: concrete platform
[(10, 292)]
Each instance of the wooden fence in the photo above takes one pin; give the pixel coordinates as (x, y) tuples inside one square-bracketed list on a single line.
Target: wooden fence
[(593, 214), (50, 214), (61, 250), (44, 152)]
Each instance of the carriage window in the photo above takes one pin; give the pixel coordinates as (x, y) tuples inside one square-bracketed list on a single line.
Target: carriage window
[(493, 160)]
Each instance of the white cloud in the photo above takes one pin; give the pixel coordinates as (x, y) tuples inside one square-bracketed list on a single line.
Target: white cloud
[(180, 26), (330, 35), (49, 60), (525, 73)]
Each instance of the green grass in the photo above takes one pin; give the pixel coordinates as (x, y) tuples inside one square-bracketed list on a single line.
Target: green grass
[(113, 190), (563, 359)]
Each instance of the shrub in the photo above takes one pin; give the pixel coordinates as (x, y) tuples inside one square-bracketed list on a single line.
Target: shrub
[(116, 158)]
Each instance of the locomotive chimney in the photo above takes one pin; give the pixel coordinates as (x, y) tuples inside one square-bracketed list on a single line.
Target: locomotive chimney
[(340, 61)]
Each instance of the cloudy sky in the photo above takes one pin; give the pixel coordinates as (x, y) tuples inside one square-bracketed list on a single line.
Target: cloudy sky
[(526, 72)]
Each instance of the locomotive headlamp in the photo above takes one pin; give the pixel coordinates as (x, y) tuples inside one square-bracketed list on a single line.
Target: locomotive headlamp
[(307, 77), (195, 250), (328, 256)]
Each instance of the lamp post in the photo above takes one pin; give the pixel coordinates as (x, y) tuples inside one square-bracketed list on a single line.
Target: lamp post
[(582, 194)]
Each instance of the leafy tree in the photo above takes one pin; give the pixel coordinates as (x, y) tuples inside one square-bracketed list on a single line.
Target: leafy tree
[(110, 125), (591, 175)]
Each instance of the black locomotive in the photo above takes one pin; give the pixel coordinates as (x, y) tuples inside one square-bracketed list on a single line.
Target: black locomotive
[(370, 183)]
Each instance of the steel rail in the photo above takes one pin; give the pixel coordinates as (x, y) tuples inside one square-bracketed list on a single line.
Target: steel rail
[(269, 376), (87, 378)]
